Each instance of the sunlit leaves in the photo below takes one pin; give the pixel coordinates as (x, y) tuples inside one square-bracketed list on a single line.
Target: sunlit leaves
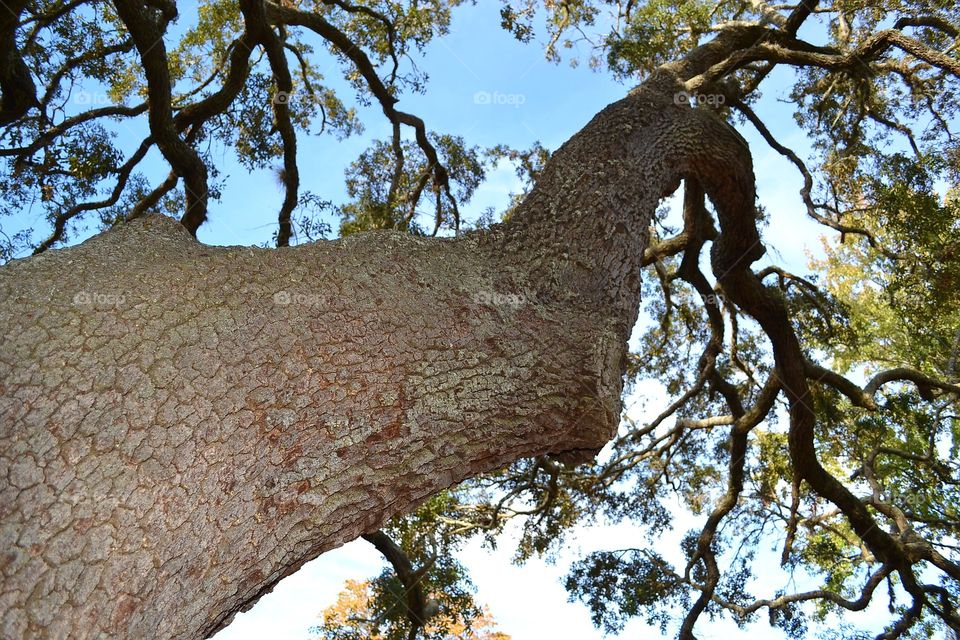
[(903, 311), (354, 617), (378, 608), (657, 32), (204, 47)]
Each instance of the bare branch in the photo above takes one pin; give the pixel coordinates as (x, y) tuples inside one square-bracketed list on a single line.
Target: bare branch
[(805, 191), (286, 15), (64, 217)]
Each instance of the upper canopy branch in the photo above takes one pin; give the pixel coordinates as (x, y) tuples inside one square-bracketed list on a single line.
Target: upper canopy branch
[(864, 397), (807, 188), (778, 47), (387, 23), (284, 15)]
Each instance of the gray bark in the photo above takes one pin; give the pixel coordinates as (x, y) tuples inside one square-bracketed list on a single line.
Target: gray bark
[(184, 425)]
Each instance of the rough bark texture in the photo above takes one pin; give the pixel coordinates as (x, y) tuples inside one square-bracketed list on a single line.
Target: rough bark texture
[(184, 425)]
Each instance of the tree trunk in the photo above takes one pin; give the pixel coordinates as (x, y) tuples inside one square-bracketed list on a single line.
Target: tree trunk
[(184, 425)]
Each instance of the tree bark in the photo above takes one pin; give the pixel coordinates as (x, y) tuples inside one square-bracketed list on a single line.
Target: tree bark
[(185, 425)]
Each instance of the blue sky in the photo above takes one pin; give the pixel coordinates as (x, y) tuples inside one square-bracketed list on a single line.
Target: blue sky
[(490, 89)]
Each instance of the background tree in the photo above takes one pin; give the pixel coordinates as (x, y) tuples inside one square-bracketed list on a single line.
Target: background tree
[(816, 411), (354, 616)]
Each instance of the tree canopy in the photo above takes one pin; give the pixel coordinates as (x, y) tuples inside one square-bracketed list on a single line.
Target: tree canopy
[(817, 413)]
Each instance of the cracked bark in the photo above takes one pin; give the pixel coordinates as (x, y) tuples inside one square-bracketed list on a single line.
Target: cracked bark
[(184, 425)]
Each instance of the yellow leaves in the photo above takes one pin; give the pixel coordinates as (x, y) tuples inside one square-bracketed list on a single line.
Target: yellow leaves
[(848, 273), (483, 627), (353, 613), (351, 610)]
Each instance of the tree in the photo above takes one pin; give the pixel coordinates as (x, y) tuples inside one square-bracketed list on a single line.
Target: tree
[(182, 419), (353, 617)]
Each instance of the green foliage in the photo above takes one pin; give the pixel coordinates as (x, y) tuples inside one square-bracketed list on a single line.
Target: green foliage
[(375, 188), (618, 586), (428, 541), (906, 309), (658, 32)]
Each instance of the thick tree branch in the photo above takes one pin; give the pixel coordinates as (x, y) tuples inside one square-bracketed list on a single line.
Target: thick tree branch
[(256, 19), (19, 93), (779, 49), (146, 27), (928, 21), (865, 397), (799, 15), (734, 250)]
